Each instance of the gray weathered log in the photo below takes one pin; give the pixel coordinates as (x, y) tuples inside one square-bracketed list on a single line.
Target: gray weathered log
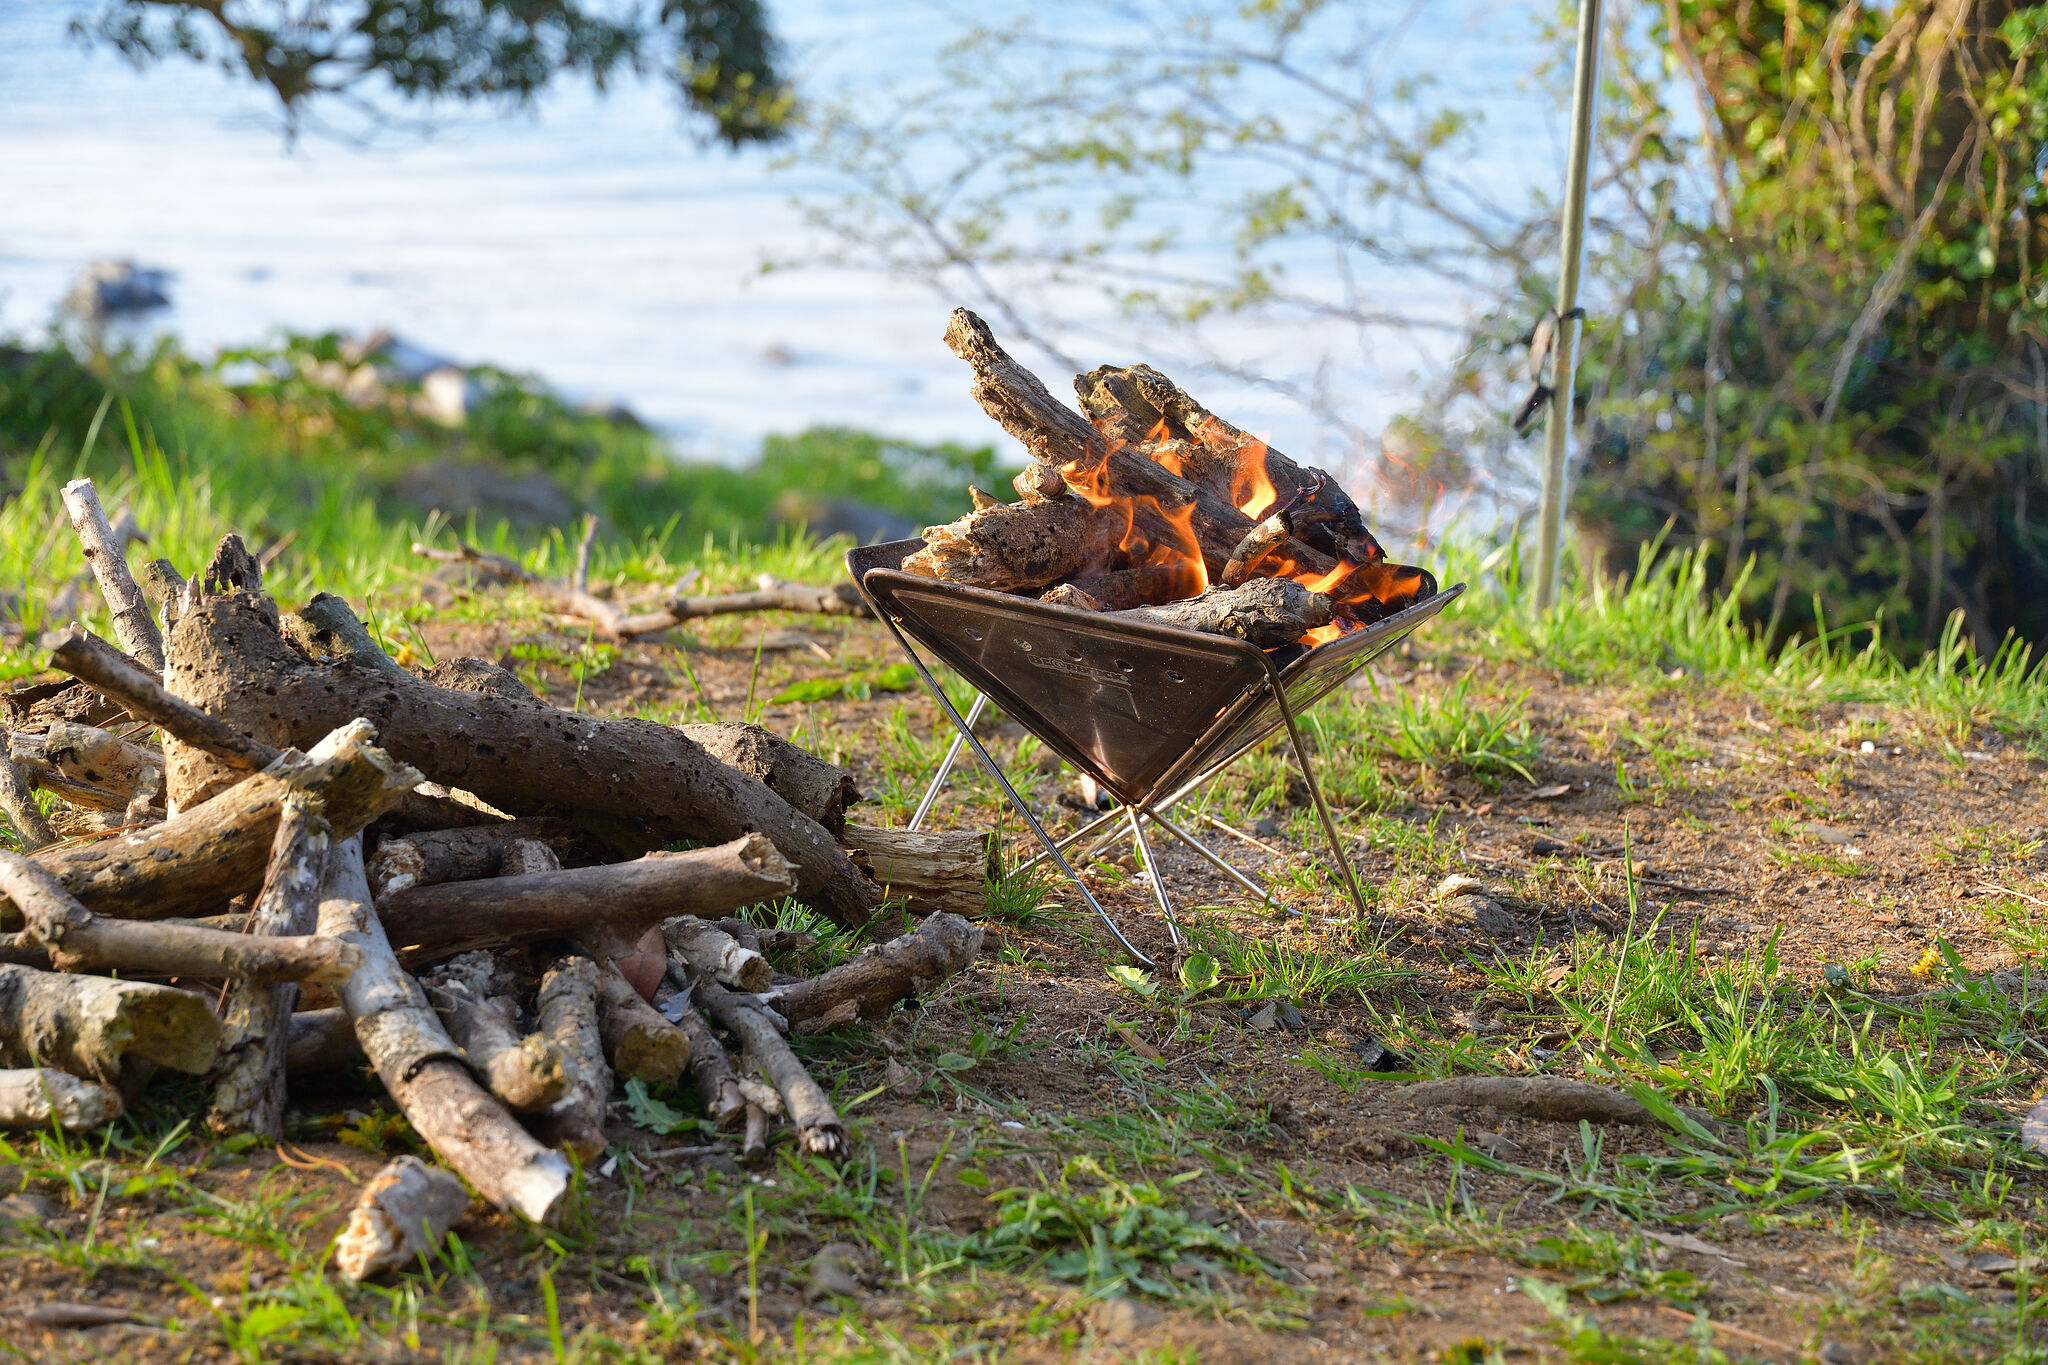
[(419, 1066), (471, 853), (321, 1040), (517, 753), (86, 756), (525, 1071), (108, 558), (818, 1126), (808, 783), (88, 1025), (200, 858), (637, 1041), (929, 870), (624, 898), (567, 1010), (249, 1080), (716, 953), (869, 986), (401, 1217), (1267, 612), (92, 661), (710, 1070), (79, 939), (30, 1097), (18, 802)]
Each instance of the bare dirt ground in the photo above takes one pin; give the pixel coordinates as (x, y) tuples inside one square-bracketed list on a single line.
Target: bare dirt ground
[(1255, 1170)]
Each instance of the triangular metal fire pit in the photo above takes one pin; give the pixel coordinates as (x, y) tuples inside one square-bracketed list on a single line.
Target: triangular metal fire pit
[(1151, 712)]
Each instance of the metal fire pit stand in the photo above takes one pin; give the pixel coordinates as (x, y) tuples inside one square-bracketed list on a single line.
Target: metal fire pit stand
[(1153, 713)]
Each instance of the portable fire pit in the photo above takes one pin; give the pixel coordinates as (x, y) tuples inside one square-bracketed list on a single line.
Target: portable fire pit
[(1152, 712)]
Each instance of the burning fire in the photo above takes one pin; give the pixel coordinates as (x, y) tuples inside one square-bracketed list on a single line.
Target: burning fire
[(1153, 535)]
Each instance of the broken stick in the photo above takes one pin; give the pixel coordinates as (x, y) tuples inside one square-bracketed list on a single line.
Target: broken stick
[(525, 1071), (870, 985), (818, 1126), (108, 558), (567, 1011), (88, 1025), (33, 1097)]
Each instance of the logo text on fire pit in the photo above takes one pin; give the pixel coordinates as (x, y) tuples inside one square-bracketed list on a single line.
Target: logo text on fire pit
[(1079, 670)]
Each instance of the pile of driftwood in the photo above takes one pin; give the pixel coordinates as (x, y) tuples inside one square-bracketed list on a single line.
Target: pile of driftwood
[(274, 851), (1151, 505)]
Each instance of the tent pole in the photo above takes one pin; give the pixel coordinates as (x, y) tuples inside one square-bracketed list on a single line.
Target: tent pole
[(1558, 425)]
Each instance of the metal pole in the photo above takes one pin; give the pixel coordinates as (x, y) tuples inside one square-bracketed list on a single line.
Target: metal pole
[(1558, 425)]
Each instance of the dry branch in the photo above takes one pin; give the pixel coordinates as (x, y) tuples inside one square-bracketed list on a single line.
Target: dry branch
[(473, 852), (18, 803), (107, 555), (711, 1074), (200, 858), (637, 1041), (91, 660), (414, 1058), (401, 1217), (31, 1097), (86, 757), (321, 1040), (870, 985), (818, 1127), (714, 952), (808, 783), (526, 1071), (88, 1025), (567, 1010), (930, 870), (623, 898), (516, 752)]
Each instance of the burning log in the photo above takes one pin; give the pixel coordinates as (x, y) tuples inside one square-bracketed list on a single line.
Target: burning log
[(1122, 589), (930, 870), (417, 1062), (477, 1009), (869, 986), (516, 752), (33, 1097), (202, 857), (567, 1010), (90, 1025), (620, 898), (1267, 612), (402, 1216), (818, 1126), (107, 556)]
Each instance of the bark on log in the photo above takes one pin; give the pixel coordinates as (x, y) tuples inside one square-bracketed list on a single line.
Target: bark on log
[(930, 870), (93, 661), (1144, 587), (526, 1072), (818, 1127), (517, 753), (808, 783), (88, 1025), (471, 853), (78, 939), (1019, 546), (714, 952), (401, 1217), (414, 1058), (196, 860), (33, 705), (568, 1018), (869, 986), (1068, 595), (624, 898), (319, 1041), (18, 802), (85, 754), (31, 1097), (711, 1074), (1267, 612), (249, 1080), (637, 1041), (1038, 481), (107, 556)]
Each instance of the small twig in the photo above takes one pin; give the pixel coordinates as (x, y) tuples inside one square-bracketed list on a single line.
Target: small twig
[(105, 553)]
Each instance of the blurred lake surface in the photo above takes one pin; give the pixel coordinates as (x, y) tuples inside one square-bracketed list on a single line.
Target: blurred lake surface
[(590, 240)]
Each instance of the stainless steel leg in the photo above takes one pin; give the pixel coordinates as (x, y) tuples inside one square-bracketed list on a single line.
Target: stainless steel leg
[(1152, 875), (1216, 861), (1315, 789), (931, 793), (1023, 807)]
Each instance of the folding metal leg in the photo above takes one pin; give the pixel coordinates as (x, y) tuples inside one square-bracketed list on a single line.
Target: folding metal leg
[(931, 793), (1023, 808), (1315, 789), (1152, 874), (1216, 860)]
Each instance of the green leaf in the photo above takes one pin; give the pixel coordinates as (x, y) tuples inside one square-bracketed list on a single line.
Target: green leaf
[(977, 1179), (652, 1114), (1198, 973), (1131, 979), (953, 1061)]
